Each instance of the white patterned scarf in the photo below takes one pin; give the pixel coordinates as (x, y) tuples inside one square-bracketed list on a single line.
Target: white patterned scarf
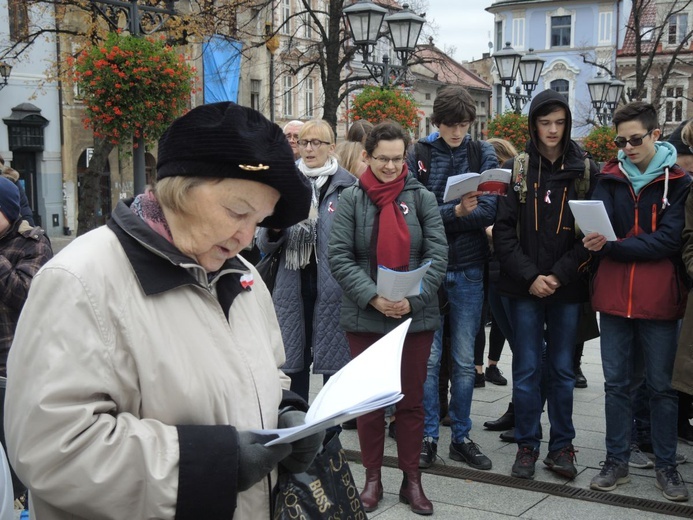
[(302, 238)]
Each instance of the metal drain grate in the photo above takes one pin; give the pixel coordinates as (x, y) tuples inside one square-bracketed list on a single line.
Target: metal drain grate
[(560, 490)]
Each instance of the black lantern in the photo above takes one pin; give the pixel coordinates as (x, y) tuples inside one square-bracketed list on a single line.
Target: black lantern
[(364, 19), (508, 63), (605, 94), (5, 69)]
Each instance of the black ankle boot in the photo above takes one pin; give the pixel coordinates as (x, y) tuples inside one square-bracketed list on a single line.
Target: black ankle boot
[(504, 422)]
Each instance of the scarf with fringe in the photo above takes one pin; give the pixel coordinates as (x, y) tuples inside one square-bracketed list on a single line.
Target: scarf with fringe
[(302, 238)]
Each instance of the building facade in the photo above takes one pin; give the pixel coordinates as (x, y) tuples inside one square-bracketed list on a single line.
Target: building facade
[(574, 37), (30, 136)]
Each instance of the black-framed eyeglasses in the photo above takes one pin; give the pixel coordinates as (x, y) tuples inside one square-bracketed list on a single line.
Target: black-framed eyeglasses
[(315, 143), (384, 161), (621, 141)]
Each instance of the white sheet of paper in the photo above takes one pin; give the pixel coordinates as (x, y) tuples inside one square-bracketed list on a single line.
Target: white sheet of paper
[(368, 382), (591, 216), (396, 285)]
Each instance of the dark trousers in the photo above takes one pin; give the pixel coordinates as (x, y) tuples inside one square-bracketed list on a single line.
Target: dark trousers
[(409, 411)]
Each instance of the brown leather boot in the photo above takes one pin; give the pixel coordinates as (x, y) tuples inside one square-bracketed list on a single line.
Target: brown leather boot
[(373, 490), (412, 493)]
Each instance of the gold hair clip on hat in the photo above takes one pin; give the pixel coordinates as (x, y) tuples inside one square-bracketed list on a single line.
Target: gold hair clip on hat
[(250, 168)]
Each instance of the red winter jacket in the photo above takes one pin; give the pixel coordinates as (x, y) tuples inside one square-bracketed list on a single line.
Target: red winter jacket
[(641, 275)]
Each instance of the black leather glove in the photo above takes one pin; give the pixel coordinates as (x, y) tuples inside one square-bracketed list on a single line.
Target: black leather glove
[(303, 451), (255, 460)]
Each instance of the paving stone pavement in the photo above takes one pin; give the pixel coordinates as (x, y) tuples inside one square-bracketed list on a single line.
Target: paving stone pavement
[(456, 498)]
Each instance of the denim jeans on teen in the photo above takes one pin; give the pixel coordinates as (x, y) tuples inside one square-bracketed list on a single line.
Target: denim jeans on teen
[(620, 339), (528, 316), (465, 291)]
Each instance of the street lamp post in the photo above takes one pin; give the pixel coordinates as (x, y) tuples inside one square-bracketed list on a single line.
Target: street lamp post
[(605, 94), (139, 19), (364, 19), (508, 63), (5, 69)]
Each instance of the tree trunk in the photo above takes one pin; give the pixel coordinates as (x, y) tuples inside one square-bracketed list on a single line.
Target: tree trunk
[(90, 186)]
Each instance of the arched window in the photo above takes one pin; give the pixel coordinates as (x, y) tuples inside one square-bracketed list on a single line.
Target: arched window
[(561, 86)]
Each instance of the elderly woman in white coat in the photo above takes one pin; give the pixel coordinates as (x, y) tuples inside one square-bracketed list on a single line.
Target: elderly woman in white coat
[(158, 351)]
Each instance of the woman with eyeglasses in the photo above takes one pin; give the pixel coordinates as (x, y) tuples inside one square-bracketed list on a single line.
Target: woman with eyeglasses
[(306, 297), (389, 219)]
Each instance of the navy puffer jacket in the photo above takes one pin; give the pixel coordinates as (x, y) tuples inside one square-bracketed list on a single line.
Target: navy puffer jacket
[(467, 242)]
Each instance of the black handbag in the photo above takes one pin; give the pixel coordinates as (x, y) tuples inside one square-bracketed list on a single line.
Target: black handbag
[(325, 491), (268, 267)]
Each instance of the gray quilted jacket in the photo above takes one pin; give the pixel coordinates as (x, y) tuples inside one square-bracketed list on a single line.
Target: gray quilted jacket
[(330, 348), (351, 258)]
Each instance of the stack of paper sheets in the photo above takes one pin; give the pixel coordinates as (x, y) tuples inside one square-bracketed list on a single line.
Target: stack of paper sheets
[(368, 382)]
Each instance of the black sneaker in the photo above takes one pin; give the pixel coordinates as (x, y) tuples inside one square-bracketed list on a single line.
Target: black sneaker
[(429, 452), (479, 380), (495, 376), (525, 460), (561, 462), (580, 379), (469, 453)]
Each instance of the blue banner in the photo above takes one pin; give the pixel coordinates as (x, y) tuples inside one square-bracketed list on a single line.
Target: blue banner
[(221, 59)]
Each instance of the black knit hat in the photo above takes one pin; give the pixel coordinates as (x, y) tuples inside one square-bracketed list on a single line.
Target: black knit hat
[(9, 199), (234, 142), (675, 140)]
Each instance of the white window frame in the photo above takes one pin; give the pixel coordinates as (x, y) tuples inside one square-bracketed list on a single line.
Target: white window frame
[(288, 100), (518, 36), (286, 17), (606, 27), (255, 92), (561, 11), (310, 97), (678, 20)]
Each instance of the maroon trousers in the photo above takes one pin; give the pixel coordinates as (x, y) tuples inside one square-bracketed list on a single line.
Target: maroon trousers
[(409, 411)]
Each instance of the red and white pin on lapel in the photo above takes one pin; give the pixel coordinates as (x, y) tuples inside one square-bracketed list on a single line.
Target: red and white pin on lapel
[(246, 281), (330, 207), (405, 208)]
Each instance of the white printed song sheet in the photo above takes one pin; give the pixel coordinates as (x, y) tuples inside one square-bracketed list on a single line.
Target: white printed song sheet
[(591, 217), (396, 285), (370, 381)]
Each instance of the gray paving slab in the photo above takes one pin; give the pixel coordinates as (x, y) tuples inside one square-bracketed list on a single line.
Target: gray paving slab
[(557, 508)]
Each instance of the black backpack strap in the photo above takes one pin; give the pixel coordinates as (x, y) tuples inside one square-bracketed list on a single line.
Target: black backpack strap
[(474, 156)]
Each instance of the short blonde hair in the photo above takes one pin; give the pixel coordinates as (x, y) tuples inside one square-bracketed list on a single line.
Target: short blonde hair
[(504, 149), (350, 155), (318, 127), (173, 192), (687, 133)]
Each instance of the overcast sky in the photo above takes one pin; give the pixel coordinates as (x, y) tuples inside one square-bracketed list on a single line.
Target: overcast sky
[(463, 24)]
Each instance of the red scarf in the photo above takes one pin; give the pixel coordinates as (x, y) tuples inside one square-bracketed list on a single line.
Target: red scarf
[(394, 242)]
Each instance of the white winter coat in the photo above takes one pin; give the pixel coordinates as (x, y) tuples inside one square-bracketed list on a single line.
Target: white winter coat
[(124, 374)]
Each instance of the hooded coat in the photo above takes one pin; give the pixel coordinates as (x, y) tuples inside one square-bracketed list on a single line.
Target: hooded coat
[(538, 237), (640, 275)]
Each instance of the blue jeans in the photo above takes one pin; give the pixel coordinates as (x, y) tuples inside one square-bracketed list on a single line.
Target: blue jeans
[(466, 297), (528, 318), (620, 340)]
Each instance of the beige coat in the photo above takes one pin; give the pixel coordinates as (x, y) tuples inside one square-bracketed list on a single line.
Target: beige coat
[(682, 379), (101, 374)]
